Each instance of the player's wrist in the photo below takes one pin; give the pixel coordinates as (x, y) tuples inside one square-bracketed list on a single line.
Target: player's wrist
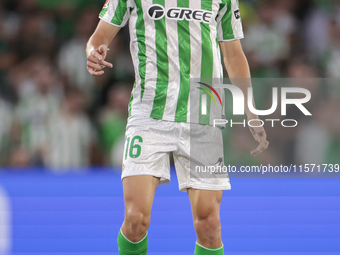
[(251, 116)]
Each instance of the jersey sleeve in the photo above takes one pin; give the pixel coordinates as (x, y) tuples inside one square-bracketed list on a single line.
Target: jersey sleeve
[(229, 21), (116, 12)]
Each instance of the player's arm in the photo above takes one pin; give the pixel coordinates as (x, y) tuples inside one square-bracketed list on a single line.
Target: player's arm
[(97, 47), (238, 71)]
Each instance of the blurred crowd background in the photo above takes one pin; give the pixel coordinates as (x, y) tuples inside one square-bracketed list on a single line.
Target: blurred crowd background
[(55, 116)]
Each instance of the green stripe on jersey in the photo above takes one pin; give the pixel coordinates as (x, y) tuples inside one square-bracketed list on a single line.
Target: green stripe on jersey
[(140, 33), (184, 52), (120, 13), (226, 23), (162, 67), (207, 61), (131, 98), (103, 12)]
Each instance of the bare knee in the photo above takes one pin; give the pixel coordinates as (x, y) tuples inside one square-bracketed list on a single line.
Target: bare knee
[(208, 229), (135, 225), (207, 224)]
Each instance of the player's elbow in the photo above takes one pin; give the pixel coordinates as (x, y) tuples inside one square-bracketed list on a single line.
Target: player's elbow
[(234, 56)]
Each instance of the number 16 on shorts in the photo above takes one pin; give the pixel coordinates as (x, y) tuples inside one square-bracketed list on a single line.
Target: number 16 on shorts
[(133, 147)]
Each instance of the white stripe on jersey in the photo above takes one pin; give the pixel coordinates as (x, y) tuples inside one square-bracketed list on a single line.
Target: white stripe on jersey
[(174, 75), (136, 93), (151, 65), (213, 31), (235, 23), (217, 66), (196, 57)]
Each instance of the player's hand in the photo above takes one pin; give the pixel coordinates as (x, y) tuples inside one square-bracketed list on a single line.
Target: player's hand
[(96, 62), (260, 136)]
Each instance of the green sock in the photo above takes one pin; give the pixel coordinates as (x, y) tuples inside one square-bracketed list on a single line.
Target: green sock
[(126, 247), (200, 250)]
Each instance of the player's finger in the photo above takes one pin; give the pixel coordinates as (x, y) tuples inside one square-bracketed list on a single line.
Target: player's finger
[(96, 57), (97, 73), (101, 61), (105, 63), (94, 65), (96, 54), (93, 71), (93, 59), (261, 147), (263, 143)]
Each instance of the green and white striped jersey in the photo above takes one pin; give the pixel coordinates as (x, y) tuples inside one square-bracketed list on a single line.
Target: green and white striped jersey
[(172, 42)]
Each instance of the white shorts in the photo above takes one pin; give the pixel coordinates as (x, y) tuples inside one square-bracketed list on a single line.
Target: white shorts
[(149, 143)]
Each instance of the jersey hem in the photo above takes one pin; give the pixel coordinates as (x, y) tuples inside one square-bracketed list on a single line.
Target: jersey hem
[(110, 22), (172, 120)]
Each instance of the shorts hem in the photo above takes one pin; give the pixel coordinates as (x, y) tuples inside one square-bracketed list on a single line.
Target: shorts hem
[(185, 187), (165, 179)]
